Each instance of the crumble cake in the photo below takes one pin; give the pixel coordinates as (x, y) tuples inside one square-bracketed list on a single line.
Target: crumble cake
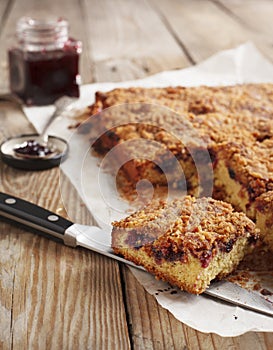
[(151, 143), (187, 242), (233, 125)]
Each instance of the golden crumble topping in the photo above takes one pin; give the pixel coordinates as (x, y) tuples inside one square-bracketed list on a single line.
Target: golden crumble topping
[(187, 226), (169, 132)]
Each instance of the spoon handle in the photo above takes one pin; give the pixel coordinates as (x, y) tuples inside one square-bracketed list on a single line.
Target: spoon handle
[(44, 134), (60, 106)]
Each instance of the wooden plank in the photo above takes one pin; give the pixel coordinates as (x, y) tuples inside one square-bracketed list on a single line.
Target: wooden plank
[(253, 340), (205, 28), (256, 18), (201, 26), (127, 40), (4, 9), (52, 296), (255, 15), (4, 4), (73, 13), (152, 327)]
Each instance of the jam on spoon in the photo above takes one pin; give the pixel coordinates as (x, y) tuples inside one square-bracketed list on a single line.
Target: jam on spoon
[(33, 148)]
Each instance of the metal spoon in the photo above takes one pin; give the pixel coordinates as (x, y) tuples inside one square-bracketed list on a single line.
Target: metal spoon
[(37, 151)]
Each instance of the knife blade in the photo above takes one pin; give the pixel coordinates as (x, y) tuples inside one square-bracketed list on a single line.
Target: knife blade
[(233, 293), (94, 238)]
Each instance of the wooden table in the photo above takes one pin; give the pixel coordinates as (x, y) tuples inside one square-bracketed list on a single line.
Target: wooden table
[(56, 297)]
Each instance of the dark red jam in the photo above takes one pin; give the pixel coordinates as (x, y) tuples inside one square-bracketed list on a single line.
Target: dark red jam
[(32, 148), (41, 77), (205, 258), (266, 292)]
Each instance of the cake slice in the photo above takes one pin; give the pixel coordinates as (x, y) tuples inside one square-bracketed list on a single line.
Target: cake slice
[(187, 242)]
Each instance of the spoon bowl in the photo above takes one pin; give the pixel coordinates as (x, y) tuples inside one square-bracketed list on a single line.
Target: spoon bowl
[(38, 151), (58, 146)]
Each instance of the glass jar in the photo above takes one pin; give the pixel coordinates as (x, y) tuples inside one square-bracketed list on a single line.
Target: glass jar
[(44, 65)]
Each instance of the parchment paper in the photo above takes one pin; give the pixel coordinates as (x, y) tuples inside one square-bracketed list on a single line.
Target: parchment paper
[(240, 65)]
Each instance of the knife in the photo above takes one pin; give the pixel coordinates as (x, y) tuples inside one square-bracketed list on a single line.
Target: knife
[(94, 238)]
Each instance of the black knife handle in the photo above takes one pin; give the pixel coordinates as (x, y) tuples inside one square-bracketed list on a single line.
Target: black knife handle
[(33, 216)]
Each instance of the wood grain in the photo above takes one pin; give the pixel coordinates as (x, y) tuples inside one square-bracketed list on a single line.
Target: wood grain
[(256, 15), (256, 18), (165, 332), (73, 295), (125, 40), (204, 27), (4, 10), (151, 326), (201, 26), (4, 6)]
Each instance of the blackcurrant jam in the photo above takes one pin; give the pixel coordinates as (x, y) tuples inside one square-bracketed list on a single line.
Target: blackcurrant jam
[(44, 65), (32, 148)]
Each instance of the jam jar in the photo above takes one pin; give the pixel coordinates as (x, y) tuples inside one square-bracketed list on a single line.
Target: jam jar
[(44, 65)]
